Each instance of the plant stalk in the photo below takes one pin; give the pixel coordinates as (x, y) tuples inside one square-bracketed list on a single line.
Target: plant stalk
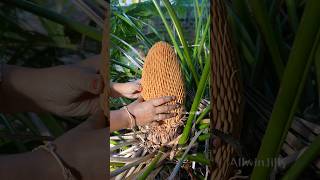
[(196, 101), (291, 88)]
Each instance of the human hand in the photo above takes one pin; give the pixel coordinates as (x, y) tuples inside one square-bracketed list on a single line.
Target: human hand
[(84, 148), (152, 110), (69, 90), (129, 90)]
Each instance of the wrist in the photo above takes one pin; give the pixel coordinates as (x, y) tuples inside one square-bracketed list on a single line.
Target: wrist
[(36, 165), (131, 110), (119, 119), (128, 123), (50, 169), (132, 116), (70, 157)]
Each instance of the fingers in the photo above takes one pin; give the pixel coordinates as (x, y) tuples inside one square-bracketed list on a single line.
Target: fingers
[(134, 87), (166, 108), (139, 99), (129, 90), (134, 90), (135, 96), (162, 100), (137, 87), (83, 108), (89, 82), (162, 112)]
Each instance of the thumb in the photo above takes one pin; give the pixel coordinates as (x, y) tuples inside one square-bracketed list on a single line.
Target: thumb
[(136, 95), (84, 107), (136, 87), (90, 82), (140, 99)]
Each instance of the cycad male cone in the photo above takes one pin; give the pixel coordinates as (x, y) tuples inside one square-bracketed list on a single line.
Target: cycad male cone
[(162, 76)]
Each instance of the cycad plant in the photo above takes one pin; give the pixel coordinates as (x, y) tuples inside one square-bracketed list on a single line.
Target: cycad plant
[(278, 43), (134, 29), (278, 48)]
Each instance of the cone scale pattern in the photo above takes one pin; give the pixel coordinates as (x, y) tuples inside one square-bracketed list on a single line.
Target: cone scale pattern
[(226, 93), (162, 76)]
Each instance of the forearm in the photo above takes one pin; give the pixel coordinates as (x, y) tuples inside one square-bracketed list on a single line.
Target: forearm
[(119, 119), (35, 165), (14, 90)]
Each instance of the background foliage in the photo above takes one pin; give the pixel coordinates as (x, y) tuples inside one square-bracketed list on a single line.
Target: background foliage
[(30, 40), (278, 50)]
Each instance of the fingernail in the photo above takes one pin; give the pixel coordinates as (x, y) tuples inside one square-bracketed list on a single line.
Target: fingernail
[(173, 97), (97, 84), (177, 105)]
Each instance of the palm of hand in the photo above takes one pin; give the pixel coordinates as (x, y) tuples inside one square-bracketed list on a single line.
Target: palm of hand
[(129, 90), (69, 91)]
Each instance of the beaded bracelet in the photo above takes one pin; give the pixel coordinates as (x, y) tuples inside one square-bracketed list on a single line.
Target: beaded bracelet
[(133, 121), (51, 148)]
